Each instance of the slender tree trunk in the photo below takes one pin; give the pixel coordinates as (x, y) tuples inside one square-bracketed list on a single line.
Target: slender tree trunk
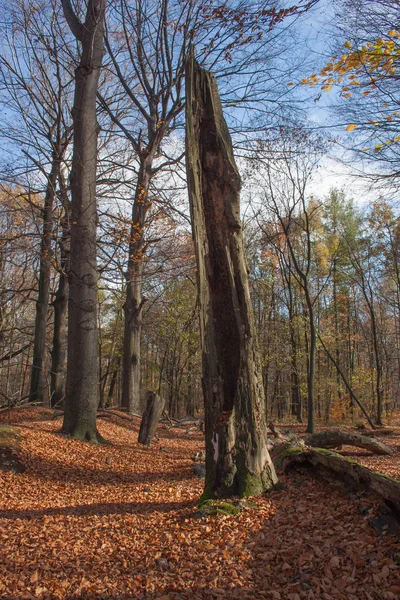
[(59, 351), (82, 396), (336, 314), (113, 381), (237, 458), (38, 385), (311, 364), (294, 373), (110, 362), (60, 304), (378, 363), (133, 307)]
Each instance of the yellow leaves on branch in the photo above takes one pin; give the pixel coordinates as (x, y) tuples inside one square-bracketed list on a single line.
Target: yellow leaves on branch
[(376, 60), (364, 66)]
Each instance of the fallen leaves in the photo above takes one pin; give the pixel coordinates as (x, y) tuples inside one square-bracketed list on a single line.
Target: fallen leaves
[(116, 522)]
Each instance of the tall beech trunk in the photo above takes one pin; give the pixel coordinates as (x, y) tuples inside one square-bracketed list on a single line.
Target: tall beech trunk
[(237, 458), (38, 384), (82, 396), (133, 307)]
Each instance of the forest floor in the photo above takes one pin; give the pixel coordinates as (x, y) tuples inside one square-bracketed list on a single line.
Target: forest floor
[(117, 522)]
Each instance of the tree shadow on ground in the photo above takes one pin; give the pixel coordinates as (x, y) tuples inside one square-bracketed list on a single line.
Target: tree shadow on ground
[(98, 509), (56, 471)]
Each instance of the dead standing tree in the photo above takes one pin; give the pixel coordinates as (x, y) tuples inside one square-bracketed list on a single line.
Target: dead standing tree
[(237, 458)]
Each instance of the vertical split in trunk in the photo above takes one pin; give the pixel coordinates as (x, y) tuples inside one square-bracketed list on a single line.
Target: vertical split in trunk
[(237, 459)]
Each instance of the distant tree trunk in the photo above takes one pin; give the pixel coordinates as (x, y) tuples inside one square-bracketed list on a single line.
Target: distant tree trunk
[(38, 384), (134, 302), (60, 304), (296, 405), (336, 315), (82, 396), (237, 458), (311, 363), (113, 382), (150, 418), (296, 408), (59, 351)]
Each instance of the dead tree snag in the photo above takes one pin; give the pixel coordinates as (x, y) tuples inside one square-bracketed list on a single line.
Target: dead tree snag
[(237, 458)]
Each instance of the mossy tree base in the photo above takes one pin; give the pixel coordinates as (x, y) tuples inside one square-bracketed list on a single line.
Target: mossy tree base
[(210, 508)]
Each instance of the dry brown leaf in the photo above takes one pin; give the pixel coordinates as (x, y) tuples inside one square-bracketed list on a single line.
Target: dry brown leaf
[(34, 577)]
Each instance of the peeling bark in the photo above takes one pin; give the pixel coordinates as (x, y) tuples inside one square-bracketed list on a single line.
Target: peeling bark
[(237, 458)]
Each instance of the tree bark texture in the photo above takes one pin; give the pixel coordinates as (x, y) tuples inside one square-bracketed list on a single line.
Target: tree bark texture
[(60, 305), (133, 307), (386, 488), (333, 439), (38, 384), (59, 350), (237, 458), (82, 397), (151, 416)]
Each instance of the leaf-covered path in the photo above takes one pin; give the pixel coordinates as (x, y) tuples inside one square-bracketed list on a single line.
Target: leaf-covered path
[(117, 521)]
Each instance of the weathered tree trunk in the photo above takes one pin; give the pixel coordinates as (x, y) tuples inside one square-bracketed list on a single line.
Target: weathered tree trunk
[(38, 384), (386, 488), (151, 416), (82, 396), (134, 302), (333, 439), (237, 458)]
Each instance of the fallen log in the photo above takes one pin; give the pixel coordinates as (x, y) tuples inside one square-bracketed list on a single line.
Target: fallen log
[(106, 412), (384, 487), (334, 439)]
